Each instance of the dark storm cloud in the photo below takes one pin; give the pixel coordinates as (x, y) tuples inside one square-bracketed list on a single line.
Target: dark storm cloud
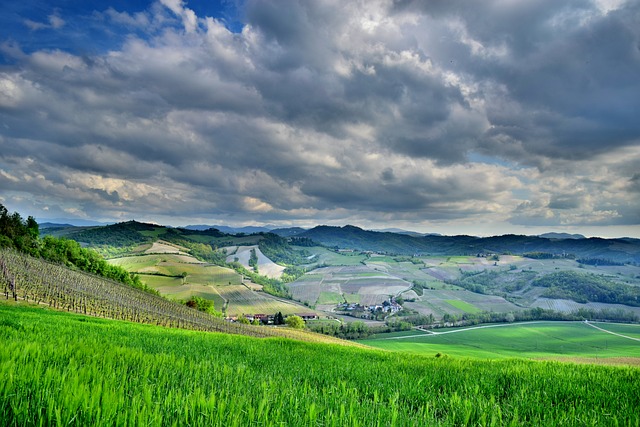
[(333, 110)]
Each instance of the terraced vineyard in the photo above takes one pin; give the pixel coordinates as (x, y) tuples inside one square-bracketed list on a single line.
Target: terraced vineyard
[(23, 278), (242, 300)]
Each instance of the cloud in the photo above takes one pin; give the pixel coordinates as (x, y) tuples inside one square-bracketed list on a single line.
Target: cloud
[(189, 19), (54, 21), (408, 112)]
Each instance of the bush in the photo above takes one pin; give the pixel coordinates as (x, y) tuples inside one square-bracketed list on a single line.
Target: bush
[(294, 322)]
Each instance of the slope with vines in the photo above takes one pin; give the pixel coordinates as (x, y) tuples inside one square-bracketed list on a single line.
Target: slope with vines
[(30, 279)]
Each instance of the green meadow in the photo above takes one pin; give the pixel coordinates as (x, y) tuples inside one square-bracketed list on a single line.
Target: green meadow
[(66, 369), (463, 305), (535, 340)]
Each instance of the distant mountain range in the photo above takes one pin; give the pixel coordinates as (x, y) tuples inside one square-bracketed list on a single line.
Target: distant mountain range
[(68, 222), (230, 230), (562, 236), (620, 250), (399, 242)]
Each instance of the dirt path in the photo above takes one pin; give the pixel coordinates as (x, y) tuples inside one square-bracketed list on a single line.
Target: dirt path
[(609, 332)]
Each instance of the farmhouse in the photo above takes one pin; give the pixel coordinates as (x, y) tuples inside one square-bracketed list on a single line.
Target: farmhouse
[(388, 306), (308, 316), (391, 306)]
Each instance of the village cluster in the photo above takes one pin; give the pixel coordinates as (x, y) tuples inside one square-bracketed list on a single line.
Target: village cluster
[(389, 306)]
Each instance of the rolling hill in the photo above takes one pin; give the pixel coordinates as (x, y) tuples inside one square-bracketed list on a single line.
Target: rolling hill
[(622, 250)]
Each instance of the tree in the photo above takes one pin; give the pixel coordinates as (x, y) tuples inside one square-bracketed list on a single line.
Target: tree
[(253, 260), (278, 319), (295, 322)]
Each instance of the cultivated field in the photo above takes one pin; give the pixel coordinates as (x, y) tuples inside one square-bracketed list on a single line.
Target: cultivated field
[(440, 302), (564, 305), (436, 291), (320, 255), (329, 286), (266, 267), (535, 340), (242, 300)]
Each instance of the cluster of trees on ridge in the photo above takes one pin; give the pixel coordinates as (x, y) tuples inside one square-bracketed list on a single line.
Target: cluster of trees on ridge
[(24, 236), (576, 286), (622, 250), (581, 287)]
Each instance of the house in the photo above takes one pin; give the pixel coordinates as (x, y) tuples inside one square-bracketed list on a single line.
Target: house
[(308, 316), (391, 306), (261, 317)]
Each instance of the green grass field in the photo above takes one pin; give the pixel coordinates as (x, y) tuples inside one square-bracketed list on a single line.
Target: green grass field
[(464, 306), (60, 368), (531, 340), (163, 272), (330, 298)]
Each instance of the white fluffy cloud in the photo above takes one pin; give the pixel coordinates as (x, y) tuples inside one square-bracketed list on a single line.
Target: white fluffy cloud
[(405, 113)]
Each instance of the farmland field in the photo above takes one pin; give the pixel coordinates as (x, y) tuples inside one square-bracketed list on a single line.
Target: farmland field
[(439, 302), (568, 305), (66, 369), (322, 255), (164, 271), (266, 267), (242, 300), (532, 340), (358, 284), (462, 305)]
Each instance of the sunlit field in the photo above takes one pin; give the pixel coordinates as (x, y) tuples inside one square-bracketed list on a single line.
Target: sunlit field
[(530, 340), (67, 369)]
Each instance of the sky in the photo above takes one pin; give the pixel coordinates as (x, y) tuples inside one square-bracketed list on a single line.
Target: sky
[(444, 116)]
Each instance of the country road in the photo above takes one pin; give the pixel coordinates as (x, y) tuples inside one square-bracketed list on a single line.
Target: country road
[(432, 333), (609, 332)]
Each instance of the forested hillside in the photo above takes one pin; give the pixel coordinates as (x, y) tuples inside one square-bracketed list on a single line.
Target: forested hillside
[(623, 250)]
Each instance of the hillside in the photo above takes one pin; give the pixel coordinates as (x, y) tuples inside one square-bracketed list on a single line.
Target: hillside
[(621, 250), (134, 233), (263, 265), (624, 250), (446, 277), (67, 369), (23, 278)]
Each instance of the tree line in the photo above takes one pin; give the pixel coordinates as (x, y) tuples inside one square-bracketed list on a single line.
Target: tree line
[(24, 236)]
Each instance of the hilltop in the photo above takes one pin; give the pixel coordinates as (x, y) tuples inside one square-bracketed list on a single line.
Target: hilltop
[(398, 242), (349, 236)]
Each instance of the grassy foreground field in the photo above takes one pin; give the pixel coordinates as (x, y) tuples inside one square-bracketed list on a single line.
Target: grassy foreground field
[(67, 369), (571, 340)]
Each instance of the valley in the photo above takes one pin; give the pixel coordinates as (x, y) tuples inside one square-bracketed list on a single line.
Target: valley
[(461, 339), (351, 284)]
